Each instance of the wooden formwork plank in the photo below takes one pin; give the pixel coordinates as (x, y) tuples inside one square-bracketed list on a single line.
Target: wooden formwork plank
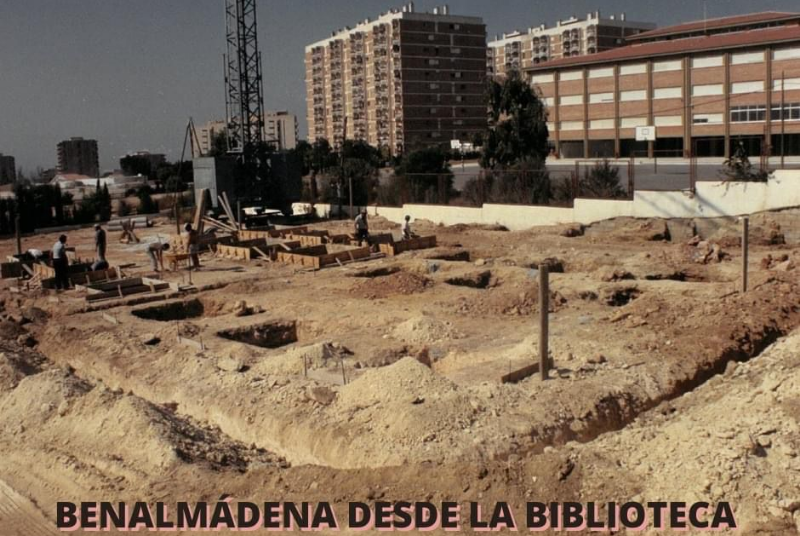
[(84, 279), (397, 248)]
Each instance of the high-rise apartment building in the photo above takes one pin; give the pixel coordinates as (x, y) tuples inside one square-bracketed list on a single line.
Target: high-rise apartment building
[(8, 169), (704, 88), (205, 137), (568, 38), (403, 81), (280, 129), (79, 156)]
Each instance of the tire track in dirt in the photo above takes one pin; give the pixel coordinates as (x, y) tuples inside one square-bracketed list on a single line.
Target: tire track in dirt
[(19, 516)]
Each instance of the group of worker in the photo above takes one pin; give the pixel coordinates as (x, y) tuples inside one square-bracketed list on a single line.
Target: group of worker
[(362, 228), (155, 252)]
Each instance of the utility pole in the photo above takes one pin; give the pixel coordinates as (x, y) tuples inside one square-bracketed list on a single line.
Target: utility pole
[(783, 119), (544, 321), (745, 250), (341, 172), (18, 233)]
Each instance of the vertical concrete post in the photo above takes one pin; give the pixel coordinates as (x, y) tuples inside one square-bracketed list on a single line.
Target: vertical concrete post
[(544, 321), (18, 234), (745, 250)]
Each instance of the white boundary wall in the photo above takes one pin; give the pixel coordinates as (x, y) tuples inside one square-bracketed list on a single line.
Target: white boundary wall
[(712, 199)]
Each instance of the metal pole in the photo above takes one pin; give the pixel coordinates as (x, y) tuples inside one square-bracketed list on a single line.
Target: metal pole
[(350, 184), (544, 325), (745, 250), (18, 233), (783, 119)]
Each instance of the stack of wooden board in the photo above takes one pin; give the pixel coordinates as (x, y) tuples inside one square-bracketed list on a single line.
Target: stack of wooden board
[(255, 249), (319, 238), (396, 248), (253, 234), (82, 278), (123, 287)]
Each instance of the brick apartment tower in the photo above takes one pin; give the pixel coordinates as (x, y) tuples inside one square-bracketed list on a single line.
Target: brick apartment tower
[(404, 81), (568, 38), (8, 169), (80, 156)]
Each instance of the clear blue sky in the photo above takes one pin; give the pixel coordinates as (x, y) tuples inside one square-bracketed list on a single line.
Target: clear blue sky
[(130, 73)]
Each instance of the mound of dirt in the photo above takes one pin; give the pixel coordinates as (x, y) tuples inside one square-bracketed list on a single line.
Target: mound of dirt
[(294, 361), (424, 329), (396, 284), (404, 406), (53, 404)]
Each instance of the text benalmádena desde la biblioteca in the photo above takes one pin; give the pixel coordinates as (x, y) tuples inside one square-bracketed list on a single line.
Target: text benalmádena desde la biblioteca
[(400, 515)]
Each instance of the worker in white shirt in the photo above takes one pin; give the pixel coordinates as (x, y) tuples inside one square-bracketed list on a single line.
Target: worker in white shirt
[(408, 234), (362, 227)]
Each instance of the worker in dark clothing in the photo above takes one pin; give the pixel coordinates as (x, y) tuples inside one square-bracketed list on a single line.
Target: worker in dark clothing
[(362, 227), (61, 263), (193, 246), (99, 243)]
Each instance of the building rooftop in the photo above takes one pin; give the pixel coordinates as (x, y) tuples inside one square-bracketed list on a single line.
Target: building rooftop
[(678, 46), (717, 24), (406, 12)]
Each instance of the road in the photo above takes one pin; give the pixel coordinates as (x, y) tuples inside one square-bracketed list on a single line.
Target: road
[(670, 175)]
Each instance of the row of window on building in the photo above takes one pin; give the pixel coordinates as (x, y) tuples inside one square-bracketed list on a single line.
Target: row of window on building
[(700, 90), (739, 114), (700, 62)]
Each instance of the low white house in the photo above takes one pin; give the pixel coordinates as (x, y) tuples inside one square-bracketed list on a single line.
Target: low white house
[(81, 185)]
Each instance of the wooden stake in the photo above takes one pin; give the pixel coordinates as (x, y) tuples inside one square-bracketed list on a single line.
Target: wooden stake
[(18, 234), (745, 250), (544, 325)]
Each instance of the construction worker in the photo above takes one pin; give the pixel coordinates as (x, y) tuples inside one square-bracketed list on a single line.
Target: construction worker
[(99, 243), (192, 246), (408, 234), (61, 263), (156, 253), (362, 227)]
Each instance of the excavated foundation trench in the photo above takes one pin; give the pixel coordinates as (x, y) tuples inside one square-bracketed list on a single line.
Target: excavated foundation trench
[(269, 335), (456, 256), (300, 443), (378, 272), (185, 310), (613, 413), (478, 280)]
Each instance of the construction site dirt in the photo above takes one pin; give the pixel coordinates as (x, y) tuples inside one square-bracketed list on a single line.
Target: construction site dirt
[(387, 378)]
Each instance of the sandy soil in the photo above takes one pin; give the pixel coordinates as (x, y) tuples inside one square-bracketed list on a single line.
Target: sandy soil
[(382, 378)]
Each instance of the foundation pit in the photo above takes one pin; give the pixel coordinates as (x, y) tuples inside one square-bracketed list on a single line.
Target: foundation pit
[(269, 335), (184, 310), (479, 280)]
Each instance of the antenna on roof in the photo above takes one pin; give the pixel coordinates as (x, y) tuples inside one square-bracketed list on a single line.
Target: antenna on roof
[(705, 16)]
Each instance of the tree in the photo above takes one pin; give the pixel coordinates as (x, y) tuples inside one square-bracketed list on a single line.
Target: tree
[(517, 123), (357, 166), (421, 176), (525, 183), (137, 165), (599, 182), (95, 206), (146, 203)]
